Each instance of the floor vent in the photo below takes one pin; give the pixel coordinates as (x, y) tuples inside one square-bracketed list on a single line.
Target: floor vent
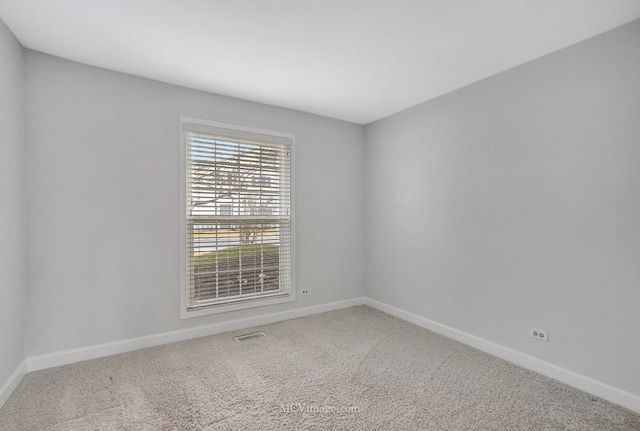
[(251, 336)]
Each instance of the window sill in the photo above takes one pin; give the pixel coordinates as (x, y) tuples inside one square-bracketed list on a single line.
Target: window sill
[(224, 308)]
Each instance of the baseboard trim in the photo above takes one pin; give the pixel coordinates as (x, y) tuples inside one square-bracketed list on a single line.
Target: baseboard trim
[(12, 383), (603, 390), (35, 363)]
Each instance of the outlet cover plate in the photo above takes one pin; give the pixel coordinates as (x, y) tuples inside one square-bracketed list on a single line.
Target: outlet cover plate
[(539, 334)]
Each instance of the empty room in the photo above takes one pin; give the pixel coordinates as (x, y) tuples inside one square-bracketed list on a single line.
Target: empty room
[(319, 215)]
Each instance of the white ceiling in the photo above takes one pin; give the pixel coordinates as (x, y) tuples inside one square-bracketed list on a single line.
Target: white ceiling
[(356, 60)]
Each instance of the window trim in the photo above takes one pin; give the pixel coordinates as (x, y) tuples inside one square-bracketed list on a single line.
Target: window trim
[(184, 285)]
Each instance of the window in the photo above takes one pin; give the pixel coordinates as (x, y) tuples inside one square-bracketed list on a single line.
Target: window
[(237, 218)]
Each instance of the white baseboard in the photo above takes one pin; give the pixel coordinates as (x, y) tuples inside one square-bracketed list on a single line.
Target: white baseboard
[(56, 359), (12, 383), (587, 384)]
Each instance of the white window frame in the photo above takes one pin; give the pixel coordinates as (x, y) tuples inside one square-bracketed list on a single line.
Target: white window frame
[(184, 284)]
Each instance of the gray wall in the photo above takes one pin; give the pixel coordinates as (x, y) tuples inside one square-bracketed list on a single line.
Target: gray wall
[(514, 203), (12, 205), (103, 194)]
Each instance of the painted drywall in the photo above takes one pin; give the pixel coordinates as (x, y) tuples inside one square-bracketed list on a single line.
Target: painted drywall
[(103, 203), (514, 203), (12, 207)]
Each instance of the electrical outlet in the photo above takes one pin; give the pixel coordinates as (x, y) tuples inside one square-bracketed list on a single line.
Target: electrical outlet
[(539, 335), (305, 292)]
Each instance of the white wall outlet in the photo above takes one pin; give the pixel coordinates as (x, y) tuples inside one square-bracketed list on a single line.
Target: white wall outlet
[(305, 292), (539, 335)]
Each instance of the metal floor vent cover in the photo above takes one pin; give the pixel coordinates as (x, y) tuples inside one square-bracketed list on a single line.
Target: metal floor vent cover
[(251, 336)]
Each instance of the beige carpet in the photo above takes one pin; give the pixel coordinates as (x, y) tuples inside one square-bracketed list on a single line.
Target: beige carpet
[(396, 376)]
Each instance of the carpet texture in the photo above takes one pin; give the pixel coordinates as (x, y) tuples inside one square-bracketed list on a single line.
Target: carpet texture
[(352, 369)]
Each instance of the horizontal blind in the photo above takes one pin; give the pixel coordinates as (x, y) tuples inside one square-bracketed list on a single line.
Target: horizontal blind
[(238, 215)]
